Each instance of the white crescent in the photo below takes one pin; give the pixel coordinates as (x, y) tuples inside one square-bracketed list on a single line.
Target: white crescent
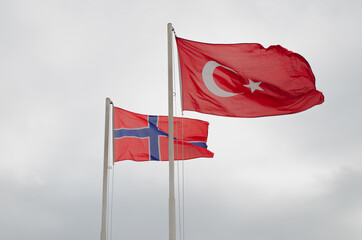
[(207, 76)]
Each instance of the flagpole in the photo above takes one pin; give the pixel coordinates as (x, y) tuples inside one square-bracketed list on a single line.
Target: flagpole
[(171, 207), (105, 173)]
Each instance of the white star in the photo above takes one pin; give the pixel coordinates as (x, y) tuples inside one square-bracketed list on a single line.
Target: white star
[(254, 86)]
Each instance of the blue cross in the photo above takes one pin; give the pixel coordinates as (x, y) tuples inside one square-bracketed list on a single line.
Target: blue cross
[(152, 133)]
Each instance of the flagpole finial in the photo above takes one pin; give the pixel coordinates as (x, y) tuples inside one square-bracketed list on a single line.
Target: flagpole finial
[(170, 26), (109, 101)]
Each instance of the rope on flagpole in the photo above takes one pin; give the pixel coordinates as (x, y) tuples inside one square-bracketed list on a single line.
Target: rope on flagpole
[(182, 152), (180, 170), (111, 184), (111, 204), (182, 164), (177, 149), (180, 185)]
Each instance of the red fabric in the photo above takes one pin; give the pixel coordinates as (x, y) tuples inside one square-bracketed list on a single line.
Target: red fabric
[(285, 79), (186, 132)]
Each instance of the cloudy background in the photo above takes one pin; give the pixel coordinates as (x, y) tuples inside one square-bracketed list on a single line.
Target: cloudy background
[(276, 178)]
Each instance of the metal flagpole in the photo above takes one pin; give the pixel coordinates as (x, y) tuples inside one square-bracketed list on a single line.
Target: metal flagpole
[(171, 206), (105, 173)]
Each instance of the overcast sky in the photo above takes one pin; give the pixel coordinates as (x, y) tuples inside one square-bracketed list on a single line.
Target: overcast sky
[(276, 178)]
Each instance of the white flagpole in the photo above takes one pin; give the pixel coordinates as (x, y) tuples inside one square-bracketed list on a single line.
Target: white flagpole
[(105, 173), (171, 206)]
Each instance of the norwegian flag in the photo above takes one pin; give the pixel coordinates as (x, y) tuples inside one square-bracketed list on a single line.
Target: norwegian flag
[(141, 137)]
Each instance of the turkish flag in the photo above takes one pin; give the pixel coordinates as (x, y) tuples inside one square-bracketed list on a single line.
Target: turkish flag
[(245, 80), (141, 137)]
